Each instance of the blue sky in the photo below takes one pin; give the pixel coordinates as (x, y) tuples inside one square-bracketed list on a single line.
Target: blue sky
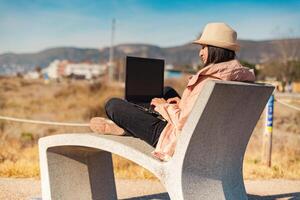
[(34, 25)]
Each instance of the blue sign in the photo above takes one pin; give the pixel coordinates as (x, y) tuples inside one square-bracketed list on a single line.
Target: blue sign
[(270, 107)]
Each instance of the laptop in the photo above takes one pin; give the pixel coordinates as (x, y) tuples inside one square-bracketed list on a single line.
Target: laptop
[(144, 80)]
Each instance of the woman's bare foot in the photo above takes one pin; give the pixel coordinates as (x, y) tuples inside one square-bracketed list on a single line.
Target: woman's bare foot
[(105, 126)]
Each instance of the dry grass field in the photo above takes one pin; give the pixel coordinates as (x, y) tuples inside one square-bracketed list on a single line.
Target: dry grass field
[(78, 101)]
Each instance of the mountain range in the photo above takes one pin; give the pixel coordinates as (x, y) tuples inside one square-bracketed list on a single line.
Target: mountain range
[(187, 54)]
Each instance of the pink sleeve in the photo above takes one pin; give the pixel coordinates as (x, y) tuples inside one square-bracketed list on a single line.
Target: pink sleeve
[(171, 112)]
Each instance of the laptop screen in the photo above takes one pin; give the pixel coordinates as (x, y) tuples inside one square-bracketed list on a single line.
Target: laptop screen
[(144, 79)]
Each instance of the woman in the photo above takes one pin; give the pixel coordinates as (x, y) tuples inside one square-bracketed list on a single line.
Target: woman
[(219, 44)]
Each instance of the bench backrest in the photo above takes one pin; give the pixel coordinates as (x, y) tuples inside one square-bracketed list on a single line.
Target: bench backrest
[(218, 129)]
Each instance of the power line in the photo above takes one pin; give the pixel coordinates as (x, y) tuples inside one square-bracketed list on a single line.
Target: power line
[(288, 105)]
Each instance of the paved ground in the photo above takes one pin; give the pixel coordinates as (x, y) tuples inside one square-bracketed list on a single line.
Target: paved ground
[(17, 189)]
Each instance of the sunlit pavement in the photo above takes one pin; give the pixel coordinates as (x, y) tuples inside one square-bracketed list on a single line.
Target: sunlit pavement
[(13, 188)]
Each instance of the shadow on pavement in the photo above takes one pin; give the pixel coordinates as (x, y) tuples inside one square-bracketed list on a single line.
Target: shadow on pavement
[(289, 196), (160, 196), (165, 196)]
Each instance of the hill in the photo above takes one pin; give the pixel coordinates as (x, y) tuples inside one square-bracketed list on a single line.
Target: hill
[(187, 54)]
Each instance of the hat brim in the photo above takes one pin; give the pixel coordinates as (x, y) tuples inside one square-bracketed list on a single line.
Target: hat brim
[(225, 45)]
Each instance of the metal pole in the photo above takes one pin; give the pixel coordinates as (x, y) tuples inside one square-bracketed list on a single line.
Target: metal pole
[(111, 53), (267, 137)]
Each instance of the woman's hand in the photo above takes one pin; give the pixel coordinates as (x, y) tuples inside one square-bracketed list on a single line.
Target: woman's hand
[(174, 100), (158, 101)]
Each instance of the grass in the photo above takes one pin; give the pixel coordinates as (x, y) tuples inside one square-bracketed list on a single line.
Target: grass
[(81, 100)]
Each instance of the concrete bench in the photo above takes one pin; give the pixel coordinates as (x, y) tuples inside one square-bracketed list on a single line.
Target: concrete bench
[(207, 163)]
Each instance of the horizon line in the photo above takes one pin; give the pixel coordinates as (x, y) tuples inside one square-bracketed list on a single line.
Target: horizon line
[(138, 43)]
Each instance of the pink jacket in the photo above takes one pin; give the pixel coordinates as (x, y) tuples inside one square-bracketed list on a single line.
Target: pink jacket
[(177, 114)]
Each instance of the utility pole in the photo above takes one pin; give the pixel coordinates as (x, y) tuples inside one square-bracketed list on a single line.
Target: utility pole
[(111, 65)]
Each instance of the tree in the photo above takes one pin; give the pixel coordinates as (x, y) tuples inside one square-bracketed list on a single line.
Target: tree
[(287, 48), (285, 72)]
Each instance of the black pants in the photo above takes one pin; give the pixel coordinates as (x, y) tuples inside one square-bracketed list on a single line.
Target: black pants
[(136, 122)]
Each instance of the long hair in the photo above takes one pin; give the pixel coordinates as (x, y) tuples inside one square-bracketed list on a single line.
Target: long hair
[(217, 55)]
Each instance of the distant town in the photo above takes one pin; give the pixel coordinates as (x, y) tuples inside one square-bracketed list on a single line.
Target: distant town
[(60, 69)]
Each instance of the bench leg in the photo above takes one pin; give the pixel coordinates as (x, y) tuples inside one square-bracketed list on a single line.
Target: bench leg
[(78, 175), (102, 176), (174, 188)]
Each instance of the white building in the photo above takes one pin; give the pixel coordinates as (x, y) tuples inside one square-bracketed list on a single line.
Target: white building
[(84, 69), (52, 70), (32, 75), (58, 68)]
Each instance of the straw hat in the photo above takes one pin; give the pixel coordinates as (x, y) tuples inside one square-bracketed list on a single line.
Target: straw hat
[(219, 35)]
